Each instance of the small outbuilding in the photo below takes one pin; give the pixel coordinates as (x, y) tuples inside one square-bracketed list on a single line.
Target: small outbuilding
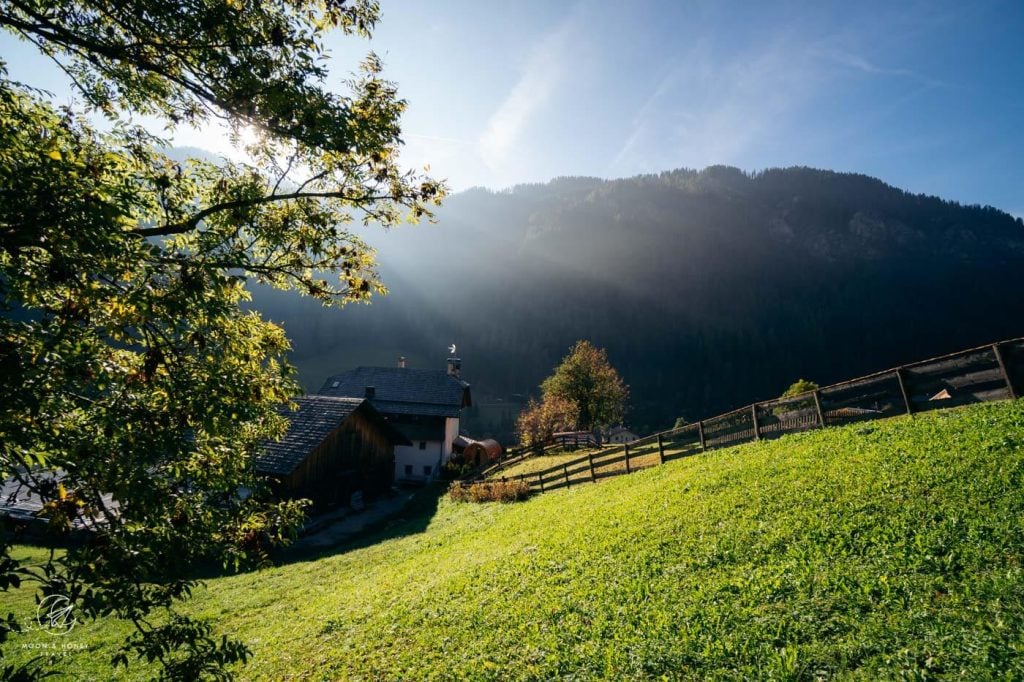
[(334, 448), (479, 452)]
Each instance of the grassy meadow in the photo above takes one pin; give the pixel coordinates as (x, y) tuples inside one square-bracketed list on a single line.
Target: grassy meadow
[(539, 463), (889, 550)]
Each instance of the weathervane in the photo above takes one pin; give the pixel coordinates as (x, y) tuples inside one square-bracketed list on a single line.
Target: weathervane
[(451, 349)]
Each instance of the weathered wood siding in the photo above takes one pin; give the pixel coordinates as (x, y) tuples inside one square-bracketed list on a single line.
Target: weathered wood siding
[(357, 456)]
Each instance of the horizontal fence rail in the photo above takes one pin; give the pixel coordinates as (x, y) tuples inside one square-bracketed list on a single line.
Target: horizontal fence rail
[(505, 460), (982, 374)]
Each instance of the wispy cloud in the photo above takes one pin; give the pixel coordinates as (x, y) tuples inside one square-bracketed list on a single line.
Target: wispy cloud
[(712, 108), (643, 115), (545, 69), (862, 64)]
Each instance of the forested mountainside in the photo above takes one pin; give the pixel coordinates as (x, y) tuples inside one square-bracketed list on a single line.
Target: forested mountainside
[(709, 288)]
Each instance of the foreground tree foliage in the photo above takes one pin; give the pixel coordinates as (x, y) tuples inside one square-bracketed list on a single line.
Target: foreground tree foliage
[(136, 389)]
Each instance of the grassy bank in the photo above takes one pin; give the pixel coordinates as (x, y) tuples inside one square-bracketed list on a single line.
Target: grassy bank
[(539, 463), (891, 549)]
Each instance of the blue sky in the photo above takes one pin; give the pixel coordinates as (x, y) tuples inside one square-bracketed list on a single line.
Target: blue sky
[(927, 96)]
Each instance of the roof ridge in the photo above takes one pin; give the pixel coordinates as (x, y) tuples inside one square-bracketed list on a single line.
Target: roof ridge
[(402, 369), (343, 398)]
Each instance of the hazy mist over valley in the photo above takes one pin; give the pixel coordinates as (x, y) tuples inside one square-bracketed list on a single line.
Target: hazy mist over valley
[(709, 288)]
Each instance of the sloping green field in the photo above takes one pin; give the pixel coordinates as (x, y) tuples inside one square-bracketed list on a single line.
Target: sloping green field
[(887, 550), (538, 463)]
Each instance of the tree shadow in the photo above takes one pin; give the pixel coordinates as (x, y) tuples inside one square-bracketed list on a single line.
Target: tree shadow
[(411, 519)]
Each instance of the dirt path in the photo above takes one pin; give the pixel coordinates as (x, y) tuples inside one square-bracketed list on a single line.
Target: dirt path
[(349, 523)]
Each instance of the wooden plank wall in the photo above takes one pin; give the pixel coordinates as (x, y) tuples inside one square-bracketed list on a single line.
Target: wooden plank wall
[(355, 457)]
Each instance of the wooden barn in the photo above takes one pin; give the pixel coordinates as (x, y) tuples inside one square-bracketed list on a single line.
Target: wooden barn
[(334, 448)]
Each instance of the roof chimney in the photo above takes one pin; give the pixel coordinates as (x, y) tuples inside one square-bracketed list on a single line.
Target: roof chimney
[(370, 392), (401, 362), (455, 367)]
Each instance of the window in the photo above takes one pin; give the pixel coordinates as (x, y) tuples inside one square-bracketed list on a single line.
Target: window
[(426, 471), (423, 445), (408, 470)]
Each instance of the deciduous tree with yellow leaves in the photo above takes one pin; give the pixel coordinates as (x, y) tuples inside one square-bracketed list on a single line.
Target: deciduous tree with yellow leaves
[(136, 387)]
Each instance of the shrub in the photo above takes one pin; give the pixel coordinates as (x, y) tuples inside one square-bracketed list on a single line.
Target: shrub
[(456, 467), (799, 387), (490, 491)]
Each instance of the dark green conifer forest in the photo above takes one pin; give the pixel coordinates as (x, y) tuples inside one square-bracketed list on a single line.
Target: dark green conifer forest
[(710, 289)]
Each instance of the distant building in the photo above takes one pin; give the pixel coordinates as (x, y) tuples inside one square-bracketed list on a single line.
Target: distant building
[(334, 449), (574, 439), (423, 404), (620, 435)]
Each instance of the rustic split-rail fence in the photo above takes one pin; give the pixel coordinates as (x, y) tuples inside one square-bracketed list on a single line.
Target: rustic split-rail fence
[(986, 373)]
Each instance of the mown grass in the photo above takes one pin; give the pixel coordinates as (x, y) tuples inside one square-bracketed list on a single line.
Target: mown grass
[(606, 461), (535, 463), (879, 551)]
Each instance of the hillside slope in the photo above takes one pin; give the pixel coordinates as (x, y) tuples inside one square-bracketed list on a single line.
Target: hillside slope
[(708, 288), (875, 551)]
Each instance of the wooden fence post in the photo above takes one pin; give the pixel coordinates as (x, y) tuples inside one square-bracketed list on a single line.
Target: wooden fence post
[(700, 432), (540, 479), (817, 406), (661, 449), (565, 470), (903, 391), (1006, 374), (757, 427), (626, 446), (590, 461)]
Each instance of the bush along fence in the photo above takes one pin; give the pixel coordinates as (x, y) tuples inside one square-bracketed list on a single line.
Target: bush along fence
[(986, 373)]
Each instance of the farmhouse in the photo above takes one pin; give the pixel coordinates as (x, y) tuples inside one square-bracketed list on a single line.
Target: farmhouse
[(335, 448), (423, 404)]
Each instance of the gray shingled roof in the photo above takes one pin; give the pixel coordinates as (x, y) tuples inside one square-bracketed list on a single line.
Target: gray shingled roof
[(423, 409), (315, 419), (20, 504), (401, 390)]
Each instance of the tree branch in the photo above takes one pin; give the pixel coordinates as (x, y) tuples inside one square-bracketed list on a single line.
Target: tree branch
[(193, 222)]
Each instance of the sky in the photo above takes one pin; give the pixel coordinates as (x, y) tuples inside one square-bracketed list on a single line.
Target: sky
[(927, 96)]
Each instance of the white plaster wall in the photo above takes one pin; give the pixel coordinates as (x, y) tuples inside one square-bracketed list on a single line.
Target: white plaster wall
[(436, 452), (405, 454), (451, 432)]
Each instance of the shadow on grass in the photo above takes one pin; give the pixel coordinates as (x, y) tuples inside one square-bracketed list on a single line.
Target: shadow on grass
[(410, 519)]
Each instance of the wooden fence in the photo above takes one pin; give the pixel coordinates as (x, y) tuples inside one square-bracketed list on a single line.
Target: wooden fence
[(986, 373), (508, 459), (575, 440)]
